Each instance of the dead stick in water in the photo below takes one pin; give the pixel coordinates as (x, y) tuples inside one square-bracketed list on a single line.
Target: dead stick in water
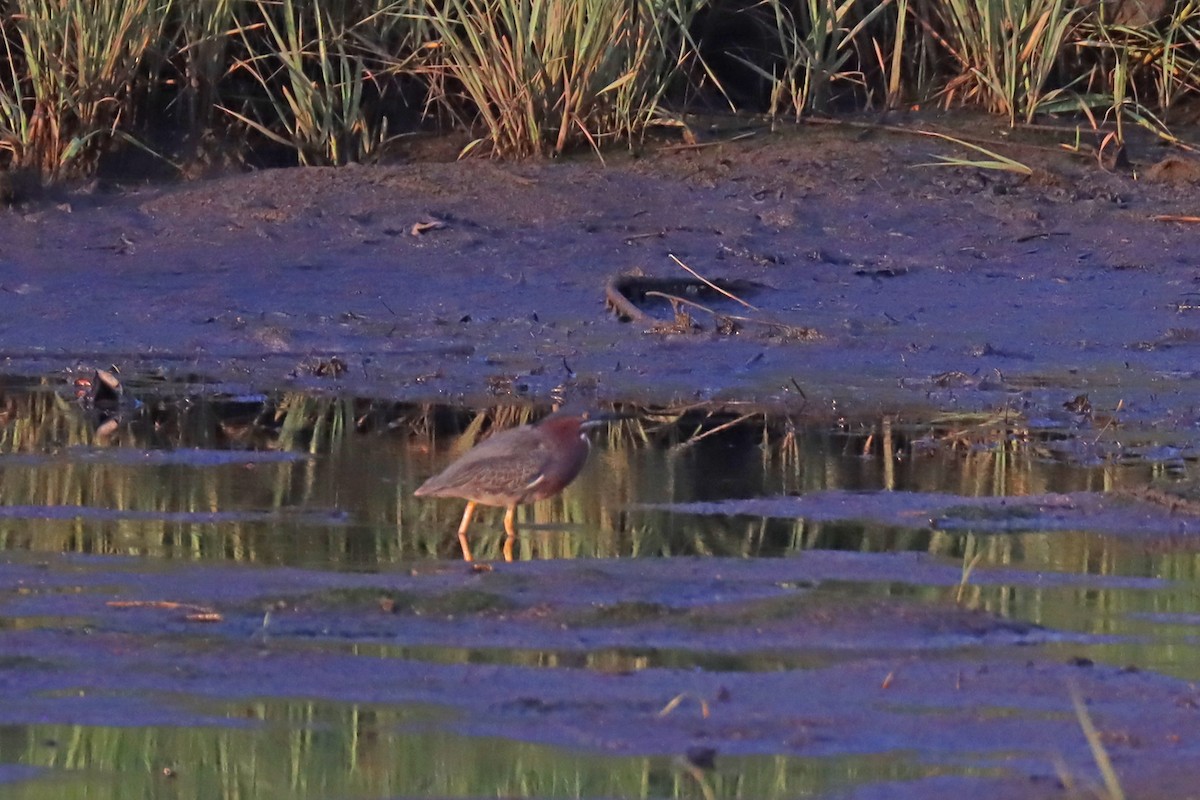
[(710, 284), (723, 426)]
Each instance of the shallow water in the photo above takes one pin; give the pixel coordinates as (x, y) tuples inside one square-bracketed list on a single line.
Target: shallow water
[(234, 477), (177, 481), (318, 750)]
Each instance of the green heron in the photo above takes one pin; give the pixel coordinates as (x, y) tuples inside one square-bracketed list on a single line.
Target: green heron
[(515, 466)]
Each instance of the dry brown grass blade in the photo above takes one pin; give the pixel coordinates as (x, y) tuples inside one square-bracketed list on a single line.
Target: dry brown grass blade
[(619, 289), (678, 699), (733, 423), (1112, 784), (674, 298), (193, 612), (709, 283), (783, 327)]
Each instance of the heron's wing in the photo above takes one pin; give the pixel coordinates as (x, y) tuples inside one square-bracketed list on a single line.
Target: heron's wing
[(498, 471)]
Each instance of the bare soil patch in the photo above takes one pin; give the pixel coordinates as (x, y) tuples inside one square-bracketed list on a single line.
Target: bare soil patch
[(924, 287)]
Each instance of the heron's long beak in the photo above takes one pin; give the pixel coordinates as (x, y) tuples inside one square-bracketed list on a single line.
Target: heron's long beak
[(599, 418)]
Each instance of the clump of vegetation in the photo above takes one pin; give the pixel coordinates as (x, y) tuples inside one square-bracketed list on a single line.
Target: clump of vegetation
[(336, 81), (816, 47), (320, 73), (1006, 52), (546, 74), (72, 77)]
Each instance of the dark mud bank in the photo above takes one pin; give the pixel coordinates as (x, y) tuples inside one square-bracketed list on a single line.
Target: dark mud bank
[(917, 287)]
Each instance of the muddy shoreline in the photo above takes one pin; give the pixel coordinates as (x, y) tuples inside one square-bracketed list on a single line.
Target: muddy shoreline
[(928, 288), (1057, 300)]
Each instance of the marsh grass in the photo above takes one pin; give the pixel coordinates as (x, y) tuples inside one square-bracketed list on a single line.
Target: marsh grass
[(1139, 75), (1158, 66), (1006, 52), (310, 81), (337, 81), (204, 31), (818, 41), (16, 117), (543, 75), (76, 71)]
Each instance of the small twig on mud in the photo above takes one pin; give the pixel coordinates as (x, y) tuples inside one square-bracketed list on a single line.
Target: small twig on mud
[(194, 613), (1175, 218), (709, 283), (421, 227), (1043, 235), (169, 605), (1112, 784), (675, 148), (678, 699), (1108, 423), (616, 298), (789, 329)]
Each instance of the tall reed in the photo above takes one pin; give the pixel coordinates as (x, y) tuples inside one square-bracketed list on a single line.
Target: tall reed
[(205, 30), (1006, 52), (310, 81), (542, 75), (817, 42), (328, 81), (1133, 69), (16, 108), (76, 70)]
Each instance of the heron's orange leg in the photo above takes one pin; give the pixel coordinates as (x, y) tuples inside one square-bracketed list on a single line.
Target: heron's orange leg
[(510, 529), (462, 530)]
